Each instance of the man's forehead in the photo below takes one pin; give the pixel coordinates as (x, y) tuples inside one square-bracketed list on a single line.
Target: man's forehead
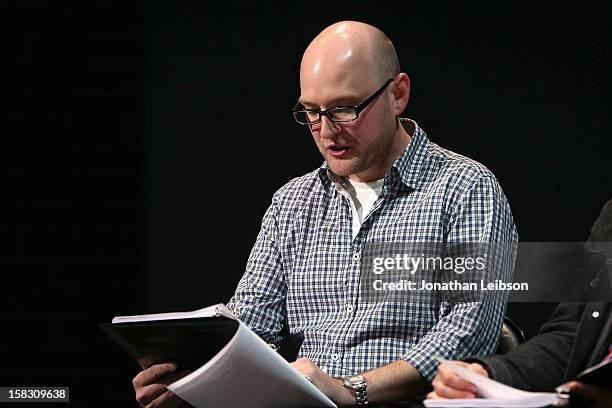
[(335, 100), (335, 87)]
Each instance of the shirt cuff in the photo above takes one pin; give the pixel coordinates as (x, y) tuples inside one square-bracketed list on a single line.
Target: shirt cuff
[(424, 363)]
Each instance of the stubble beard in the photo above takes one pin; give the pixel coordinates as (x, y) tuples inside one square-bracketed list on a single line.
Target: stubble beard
[(369, 156)]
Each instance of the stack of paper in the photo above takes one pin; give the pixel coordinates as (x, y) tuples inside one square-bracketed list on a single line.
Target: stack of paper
[(233, 366), (495, 394)]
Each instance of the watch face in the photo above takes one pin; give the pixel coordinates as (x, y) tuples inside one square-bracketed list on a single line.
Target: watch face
[(357, 378)]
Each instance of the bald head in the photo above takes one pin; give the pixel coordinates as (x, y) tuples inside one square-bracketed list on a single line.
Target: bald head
[(351, 46), (350, 64)]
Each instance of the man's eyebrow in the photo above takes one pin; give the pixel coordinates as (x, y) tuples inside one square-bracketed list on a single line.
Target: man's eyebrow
[(347, 99)]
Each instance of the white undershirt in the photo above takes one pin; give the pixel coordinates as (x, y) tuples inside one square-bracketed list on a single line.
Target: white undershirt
[(363, 196)]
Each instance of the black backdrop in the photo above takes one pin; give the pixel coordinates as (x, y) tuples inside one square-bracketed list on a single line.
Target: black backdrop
[(523, 89), (146, 139)]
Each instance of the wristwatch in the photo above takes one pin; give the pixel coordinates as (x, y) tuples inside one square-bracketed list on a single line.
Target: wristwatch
[(358, 384)]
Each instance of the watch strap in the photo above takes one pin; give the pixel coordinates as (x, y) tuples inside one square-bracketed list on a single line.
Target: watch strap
[(358, 384)]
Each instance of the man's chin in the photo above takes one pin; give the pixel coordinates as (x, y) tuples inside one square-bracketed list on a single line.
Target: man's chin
[(341, 168)]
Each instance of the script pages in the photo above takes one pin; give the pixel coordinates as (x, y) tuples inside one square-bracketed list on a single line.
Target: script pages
[(495, 394), (245, 372)]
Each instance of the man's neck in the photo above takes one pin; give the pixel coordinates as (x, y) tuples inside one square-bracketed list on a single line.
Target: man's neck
[(401, 140)]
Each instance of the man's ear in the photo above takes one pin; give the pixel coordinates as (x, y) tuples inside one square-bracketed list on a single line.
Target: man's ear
[(401, 93)]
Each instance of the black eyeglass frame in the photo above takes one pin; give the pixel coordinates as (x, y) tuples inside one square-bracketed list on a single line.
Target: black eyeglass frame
[(329, 112)]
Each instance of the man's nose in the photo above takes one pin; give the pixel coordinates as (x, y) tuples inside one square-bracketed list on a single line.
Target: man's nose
[(328, 128)]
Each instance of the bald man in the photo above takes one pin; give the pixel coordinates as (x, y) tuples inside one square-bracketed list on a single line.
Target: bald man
[(382, 181)]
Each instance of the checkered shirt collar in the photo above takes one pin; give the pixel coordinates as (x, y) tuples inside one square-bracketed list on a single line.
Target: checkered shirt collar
[(407, 167)]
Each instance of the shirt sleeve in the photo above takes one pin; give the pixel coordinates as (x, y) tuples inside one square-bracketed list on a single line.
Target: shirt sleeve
[(259, 300), (466, 327)]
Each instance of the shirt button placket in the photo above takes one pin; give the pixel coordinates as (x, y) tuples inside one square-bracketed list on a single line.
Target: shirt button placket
[(353, 271)]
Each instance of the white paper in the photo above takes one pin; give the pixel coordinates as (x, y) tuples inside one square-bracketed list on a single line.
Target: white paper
[(495, 394), (214, 310), (248, 373), (525, 402)]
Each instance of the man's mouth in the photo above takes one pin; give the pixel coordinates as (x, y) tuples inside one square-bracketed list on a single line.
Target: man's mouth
[(338, 150)]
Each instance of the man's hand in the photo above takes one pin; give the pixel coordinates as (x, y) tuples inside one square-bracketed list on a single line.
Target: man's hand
[(602, 398), (150, 386), (449, 385), (330, 386)]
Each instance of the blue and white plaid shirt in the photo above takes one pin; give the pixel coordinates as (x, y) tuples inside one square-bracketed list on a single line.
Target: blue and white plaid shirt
[(302, 275)]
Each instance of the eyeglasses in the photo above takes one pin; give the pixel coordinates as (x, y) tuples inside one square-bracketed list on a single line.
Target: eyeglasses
[(337, 114)]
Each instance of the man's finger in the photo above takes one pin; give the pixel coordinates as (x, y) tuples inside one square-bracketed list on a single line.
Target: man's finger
[(170, 378), (167, 400), (477, 368), (149, 375), (433, 395), (450, 379), (443, 390), (148, 394), (589, 391), (451, 393)]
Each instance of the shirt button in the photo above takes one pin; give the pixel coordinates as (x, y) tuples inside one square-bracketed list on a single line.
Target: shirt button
[(595, 314), (350, 308), (335, 357), (356, 256)]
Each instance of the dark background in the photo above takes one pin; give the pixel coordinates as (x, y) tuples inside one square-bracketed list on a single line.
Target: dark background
[(143, 142)]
